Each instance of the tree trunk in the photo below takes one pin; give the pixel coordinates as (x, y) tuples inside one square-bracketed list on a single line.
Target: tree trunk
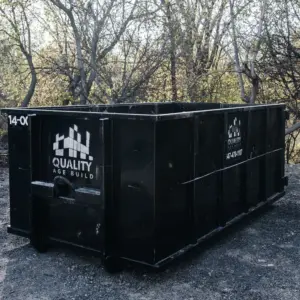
[(237, 63), (172, 53), (173, 76), (33, 82), (80, 64)]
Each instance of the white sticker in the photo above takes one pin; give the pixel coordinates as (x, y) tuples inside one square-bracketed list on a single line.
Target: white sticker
[(21, 120)]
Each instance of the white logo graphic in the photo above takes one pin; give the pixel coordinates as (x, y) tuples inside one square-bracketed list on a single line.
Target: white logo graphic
[(234, 139), (234, 130), (73, 144), (234, 154), (72, 156)]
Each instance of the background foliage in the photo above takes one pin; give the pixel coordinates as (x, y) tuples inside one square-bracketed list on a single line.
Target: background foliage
[(62, 52)]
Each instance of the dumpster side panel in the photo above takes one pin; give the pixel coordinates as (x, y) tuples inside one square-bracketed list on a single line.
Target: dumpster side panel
[(275, 125), (272, 162), (233, 192), (206, 204), (234, 173), (209, 144), (274, 173), (257, 133), (235, 138), (276, 145), (256, 155), (254, 182), (133, 188), (174, 195), (208, 161)]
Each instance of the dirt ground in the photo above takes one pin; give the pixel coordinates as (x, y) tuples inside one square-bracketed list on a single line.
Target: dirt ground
[(257, 259)]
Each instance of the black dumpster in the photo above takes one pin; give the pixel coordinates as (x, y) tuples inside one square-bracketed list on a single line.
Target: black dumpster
[(141, 182)]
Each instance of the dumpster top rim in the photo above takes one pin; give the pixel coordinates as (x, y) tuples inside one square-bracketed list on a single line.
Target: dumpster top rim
[(121, 115)]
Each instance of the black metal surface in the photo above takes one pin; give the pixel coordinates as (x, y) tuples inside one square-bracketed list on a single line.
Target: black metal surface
[(143, 182), (134, 188), (173, 199)]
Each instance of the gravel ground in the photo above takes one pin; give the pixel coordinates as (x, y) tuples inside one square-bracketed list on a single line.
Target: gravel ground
[(256, 259)]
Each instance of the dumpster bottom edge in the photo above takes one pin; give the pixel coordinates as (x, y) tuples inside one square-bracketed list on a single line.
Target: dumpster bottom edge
[(230, 223), (18, 231)]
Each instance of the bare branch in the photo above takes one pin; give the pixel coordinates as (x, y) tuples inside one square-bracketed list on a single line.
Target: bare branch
[(292, 128)]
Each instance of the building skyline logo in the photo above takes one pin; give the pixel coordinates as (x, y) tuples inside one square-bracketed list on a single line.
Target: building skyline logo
[(235, 129), (72, 154), (73, 143)]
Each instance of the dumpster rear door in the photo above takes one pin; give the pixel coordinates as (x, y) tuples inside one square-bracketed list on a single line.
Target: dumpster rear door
[(70, 170)]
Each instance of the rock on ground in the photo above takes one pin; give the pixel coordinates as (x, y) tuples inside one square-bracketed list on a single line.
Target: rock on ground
[(257, 259)]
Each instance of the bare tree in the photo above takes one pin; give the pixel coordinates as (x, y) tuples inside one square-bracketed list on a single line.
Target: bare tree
[(201, 25), (16, 27), (140, 53), (247, 67), (282, 56), (97, 28)]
